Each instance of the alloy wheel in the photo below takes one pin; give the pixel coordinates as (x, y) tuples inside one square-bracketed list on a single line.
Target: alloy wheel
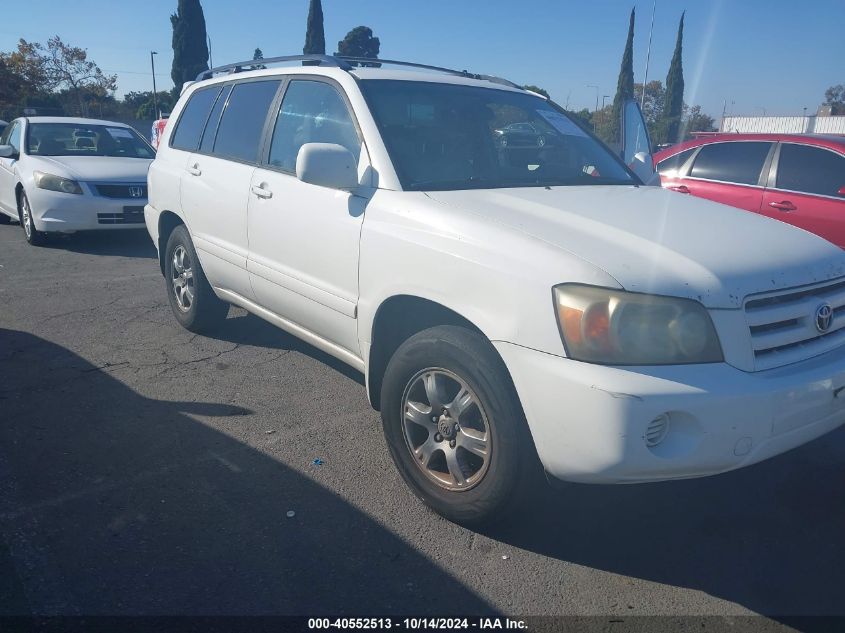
[(182, 277), (446, 429)]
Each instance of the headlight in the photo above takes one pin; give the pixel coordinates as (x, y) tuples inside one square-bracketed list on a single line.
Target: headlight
[(56, 183), (613, 327)]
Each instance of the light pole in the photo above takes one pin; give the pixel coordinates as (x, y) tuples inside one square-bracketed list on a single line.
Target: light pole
[(155, 94), (210, 59), (602, 107), (597, 96), (648, 53)]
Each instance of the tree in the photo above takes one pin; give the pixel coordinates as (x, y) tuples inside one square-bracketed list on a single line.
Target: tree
[(655, 96), (625, 83), (257, 56), (674, 104), (835, 97), (190, 47), (63, 68), (12, 85), (696, 121), (315, 38), (140, 105), (359, 42), (538, 90)]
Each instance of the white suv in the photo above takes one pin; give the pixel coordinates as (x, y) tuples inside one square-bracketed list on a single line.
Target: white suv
[(504, 301)]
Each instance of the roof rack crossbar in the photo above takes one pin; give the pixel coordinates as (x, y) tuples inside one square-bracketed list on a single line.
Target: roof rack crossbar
[(346, 63), (320, 60)]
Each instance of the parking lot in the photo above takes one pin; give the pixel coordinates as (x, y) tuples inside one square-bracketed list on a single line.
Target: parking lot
[(146, 470)]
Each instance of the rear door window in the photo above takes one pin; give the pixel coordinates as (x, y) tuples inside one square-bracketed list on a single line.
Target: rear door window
[(810, 170), (241, 127), (670, 166), (191, 123), (735, 162)]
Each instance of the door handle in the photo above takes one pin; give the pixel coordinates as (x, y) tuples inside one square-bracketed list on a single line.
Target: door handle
[(194, 170), (261, 192), (785, 205), (680, 188)]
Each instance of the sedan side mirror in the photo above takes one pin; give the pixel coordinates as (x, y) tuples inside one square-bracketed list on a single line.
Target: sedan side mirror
[(7, 151), (327, 165)]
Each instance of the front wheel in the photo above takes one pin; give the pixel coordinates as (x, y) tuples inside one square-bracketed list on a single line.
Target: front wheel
[(33, 235), (192, 299), (454, 425)]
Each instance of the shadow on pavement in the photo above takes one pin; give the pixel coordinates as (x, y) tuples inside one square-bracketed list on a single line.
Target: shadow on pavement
[(768, 537), (248, 329), (114, 503), (124, 243)]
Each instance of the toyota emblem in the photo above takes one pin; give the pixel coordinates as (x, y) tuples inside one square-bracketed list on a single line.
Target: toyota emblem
[(824, 317)]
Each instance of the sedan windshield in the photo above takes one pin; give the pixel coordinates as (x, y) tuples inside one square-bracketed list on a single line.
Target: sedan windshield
[(448, 136), (74, 139)]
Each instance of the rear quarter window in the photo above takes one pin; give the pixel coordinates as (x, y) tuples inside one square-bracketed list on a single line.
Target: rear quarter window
[(191, 123), (737, 162), (670, 166)]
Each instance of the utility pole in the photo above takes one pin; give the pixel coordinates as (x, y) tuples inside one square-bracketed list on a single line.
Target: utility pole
[(648, 53), (210, 59), (155, 94)]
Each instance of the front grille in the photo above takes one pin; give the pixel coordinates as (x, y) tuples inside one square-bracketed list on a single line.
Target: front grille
[(129, 215), (783, 326), (123, 191)]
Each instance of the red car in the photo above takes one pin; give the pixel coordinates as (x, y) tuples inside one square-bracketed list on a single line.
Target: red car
[(796, 178)]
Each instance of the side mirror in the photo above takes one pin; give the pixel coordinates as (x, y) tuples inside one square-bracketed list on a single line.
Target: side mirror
[(643, 166), (327, 165), (7, 151)]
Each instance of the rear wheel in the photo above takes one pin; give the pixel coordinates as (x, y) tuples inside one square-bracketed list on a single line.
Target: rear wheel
[(191, 297), (454, 425), (33, 235)]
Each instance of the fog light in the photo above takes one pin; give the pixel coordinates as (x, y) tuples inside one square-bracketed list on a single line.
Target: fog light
[(657, 430)]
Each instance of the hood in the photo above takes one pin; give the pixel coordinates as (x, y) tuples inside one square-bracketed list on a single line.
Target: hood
[(661, 242), (97, 168)]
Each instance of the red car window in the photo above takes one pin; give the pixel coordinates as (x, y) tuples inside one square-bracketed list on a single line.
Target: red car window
[(810, 170), (738, 162)]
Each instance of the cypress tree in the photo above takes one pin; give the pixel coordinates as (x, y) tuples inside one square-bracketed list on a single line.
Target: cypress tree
[(673, 106), (190, 47), (625, 84), (315, 38)]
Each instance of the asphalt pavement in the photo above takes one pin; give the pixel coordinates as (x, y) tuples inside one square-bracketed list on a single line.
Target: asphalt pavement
[(147, 470)]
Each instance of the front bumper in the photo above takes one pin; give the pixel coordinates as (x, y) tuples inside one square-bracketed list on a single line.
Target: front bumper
[(590, 422), (53, 211)]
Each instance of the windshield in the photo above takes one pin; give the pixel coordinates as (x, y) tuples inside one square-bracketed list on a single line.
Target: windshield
[(74, 139), (446, 136)]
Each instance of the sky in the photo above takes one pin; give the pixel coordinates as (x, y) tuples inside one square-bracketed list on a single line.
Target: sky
[(750, 57)]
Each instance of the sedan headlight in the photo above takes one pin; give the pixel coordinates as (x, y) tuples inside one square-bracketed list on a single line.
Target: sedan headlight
[(613, 327), (56, 183)]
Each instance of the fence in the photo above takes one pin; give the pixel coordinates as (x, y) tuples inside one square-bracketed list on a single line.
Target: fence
[(784, 124)]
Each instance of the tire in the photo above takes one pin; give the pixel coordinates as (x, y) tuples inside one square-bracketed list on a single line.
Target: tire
[(33, 236), (192, 300), (451, 361)]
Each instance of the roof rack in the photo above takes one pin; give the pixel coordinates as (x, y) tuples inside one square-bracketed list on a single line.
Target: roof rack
[(345, 63)]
